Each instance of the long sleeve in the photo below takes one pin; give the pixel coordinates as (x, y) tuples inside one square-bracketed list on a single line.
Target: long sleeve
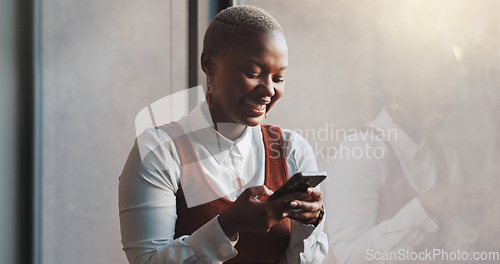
[(307, 243), (148, 212), (148, 185), (352, 194)]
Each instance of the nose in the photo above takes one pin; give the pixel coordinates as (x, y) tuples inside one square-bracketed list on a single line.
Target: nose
[(266, 87)]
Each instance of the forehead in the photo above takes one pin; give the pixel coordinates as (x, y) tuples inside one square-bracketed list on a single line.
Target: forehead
[(267, 43)]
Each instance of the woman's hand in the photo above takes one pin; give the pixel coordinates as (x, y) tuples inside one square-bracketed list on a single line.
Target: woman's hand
[(251, 212), (307, 209)]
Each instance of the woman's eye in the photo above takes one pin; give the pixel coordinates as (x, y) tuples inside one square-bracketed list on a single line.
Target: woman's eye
[(251, 75), (278, 80)]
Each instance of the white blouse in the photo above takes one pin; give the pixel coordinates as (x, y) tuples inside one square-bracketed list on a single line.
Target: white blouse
[(151, 178)]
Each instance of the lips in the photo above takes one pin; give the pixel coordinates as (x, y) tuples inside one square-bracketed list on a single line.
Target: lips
[(256, 106)]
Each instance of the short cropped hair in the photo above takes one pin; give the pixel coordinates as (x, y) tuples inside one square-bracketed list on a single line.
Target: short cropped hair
[(236, 20)]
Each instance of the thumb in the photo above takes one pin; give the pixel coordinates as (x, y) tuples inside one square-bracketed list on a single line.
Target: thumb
[(257, 191)]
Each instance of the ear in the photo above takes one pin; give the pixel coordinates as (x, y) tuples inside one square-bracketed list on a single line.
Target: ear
[(207, 63)]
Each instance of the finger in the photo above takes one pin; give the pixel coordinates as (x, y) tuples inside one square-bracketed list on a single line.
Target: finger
[(256, 191), (268, 192), (304, 217), (278, 211), (316, 195), (306, 206), (284, 214), (293, 196)]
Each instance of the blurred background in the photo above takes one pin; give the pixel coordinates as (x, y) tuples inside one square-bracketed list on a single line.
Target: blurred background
[(74, 75)]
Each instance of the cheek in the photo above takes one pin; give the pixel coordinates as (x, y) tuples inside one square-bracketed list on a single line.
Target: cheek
[(277, 95), (231, 76), (231, 89), (278, 92)]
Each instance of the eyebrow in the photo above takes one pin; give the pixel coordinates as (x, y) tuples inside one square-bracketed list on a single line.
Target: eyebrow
[(261, 65)]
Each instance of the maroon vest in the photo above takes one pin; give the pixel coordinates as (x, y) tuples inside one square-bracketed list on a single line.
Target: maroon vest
[(252, 247)]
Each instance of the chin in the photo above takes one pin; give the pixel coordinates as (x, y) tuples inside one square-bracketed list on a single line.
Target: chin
[(253, 121)]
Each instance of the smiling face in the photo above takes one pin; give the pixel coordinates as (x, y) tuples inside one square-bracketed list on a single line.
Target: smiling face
[(247, 76)]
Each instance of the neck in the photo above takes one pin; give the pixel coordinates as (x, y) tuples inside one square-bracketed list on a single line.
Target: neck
[(231, 131)]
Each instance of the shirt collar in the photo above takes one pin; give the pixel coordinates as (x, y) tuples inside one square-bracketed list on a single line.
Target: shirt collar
[(201, 125), (401, 141), (244, 142)]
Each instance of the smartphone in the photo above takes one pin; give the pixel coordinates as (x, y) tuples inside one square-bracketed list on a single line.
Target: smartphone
[(299, 182)]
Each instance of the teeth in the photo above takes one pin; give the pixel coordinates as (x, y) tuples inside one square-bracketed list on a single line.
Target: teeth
[(256, 105)]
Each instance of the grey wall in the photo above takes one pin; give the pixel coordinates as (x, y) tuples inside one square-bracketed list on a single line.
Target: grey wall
[(8, 151), (102, 62)]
